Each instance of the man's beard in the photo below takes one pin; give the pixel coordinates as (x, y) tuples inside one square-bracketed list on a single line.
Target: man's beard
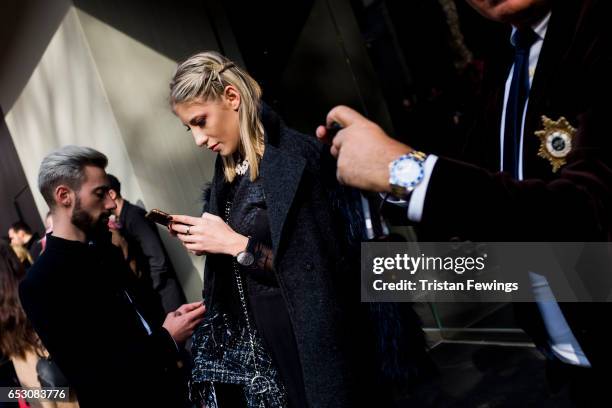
[(85, 222)]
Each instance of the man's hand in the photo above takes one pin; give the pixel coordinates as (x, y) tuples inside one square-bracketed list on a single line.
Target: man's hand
[(182, 322), (363, 150)]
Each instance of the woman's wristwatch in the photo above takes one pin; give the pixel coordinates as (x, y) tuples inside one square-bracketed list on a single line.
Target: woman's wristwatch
[(406, 172), (246, 257)]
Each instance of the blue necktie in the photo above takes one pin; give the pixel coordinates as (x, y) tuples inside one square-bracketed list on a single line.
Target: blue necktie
[(517, 97)]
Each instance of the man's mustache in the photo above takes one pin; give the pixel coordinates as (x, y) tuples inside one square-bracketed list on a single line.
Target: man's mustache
[(105, 215)]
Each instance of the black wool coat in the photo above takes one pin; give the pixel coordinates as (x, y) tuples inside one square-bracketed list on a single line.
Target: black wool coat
[(308, 260)]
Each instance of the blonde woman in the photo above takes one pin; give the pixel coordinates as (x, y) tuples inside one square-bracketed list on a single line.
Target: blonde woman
[(23, 255), (272, 334)]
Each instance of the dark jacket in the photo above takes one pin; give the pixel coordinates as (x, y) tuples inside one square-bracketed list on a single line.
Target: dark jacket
[(74, 295), (472, 200), (307, 259), (146, 247), (34, 246)]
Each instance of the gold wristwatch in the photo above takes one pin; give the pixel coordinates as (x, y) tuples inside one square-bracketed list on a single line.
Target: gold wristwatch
[(406, 172)]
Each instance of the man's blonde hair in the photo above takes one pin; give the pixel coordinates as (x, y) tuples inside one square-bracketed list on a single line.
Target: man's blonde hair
[(205, 76)]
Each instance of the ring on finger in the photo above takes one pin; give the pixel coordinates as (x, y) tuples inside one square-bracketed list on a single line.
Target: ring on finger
[(188, 228)]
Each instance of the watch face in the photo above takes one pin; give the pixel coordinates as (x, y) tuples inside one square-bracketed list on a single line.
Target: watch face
[(407, 172), (245, 258)]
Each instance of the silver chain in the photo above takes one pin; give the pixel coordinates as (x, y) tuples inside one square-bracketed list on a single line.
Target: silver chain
[(238, 278)]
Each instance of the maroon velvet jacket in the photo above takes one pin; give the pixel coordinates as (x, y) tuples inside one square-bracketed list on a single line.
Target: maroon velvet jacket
[(472, 200)]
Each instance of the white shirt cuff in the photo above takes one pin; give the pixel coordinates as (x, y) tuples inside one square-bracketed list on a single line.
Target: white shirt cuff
[(417, 198)]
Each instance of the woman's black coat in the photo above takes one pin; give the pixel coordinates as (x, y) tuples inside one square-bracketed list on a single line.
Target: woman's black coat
[(307, 257)]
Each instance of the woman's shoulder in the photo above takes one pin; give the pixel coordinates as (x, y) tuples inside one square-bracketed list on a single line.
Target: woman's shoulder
[(290, 140), (303, 145)]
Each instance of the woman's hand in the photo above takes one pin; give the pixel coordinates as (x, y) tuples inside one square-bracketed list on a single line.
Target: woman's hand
[(207, 235)]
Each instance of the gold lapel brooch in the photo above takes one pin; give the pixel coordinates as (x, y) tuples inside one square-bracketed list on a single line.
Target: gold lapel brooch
[(555, 141)]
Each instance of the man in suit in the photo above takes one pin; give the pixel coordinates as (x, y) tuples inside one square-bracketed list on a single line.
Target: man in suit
[(146, 248), (83, 303), (516, 184)]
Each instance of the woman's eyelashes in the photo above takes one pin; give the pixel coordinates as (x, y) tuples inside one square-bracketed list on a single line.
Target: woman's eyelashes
[(197, 122)]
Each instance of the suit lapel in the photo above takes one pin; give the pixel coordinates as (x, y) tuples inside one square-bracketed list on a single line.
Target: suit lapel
[(543, 98), (494, 117), (483, 146), (281, 173)]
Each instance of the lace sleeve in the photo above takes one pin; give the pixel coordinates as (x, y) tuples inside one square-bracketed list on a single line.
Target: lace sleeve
[(264, 258)]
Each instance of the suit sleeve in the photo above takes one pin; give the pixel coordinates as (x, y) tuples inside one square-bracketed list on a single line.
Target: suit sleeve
[(36, 250), (472, 203), (152, 248)]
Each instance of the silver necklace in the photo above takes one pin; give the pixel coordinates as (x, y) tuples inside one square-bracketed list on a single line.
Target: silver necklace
[(259, 383)]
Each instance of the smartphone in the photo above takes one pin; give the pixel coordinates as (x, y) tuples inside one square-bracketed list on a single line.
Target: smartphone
[(159, 217)]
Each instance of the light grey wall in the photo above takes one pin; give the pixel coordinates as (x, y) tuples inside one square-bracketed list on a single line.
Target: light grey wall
[(64, 102), (167, 165), (105, 86)]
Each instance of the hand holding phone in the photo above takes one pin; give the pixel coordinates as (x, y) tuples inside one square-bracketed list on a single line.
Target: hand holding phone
[(162, 218)]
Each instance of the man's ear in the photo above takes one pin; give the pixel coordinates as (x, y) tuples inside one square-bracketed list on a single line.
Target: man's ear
[(64, 196), (232, 96)]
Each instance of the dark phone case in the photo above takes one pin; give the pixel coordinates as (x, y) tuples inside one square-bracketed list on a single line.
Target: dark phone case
[(159, 217)]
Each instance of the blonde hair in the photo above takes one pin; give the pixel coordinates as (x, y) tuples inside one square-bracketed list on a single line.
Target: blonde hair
[(205, 76), (22, 253)]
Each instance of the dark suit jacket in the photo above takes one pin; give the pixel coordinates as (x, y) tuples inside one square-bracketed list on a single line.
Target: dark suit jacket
[(307, 260), (34, 246), (146, 247), (75, 298), (473, 200)]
